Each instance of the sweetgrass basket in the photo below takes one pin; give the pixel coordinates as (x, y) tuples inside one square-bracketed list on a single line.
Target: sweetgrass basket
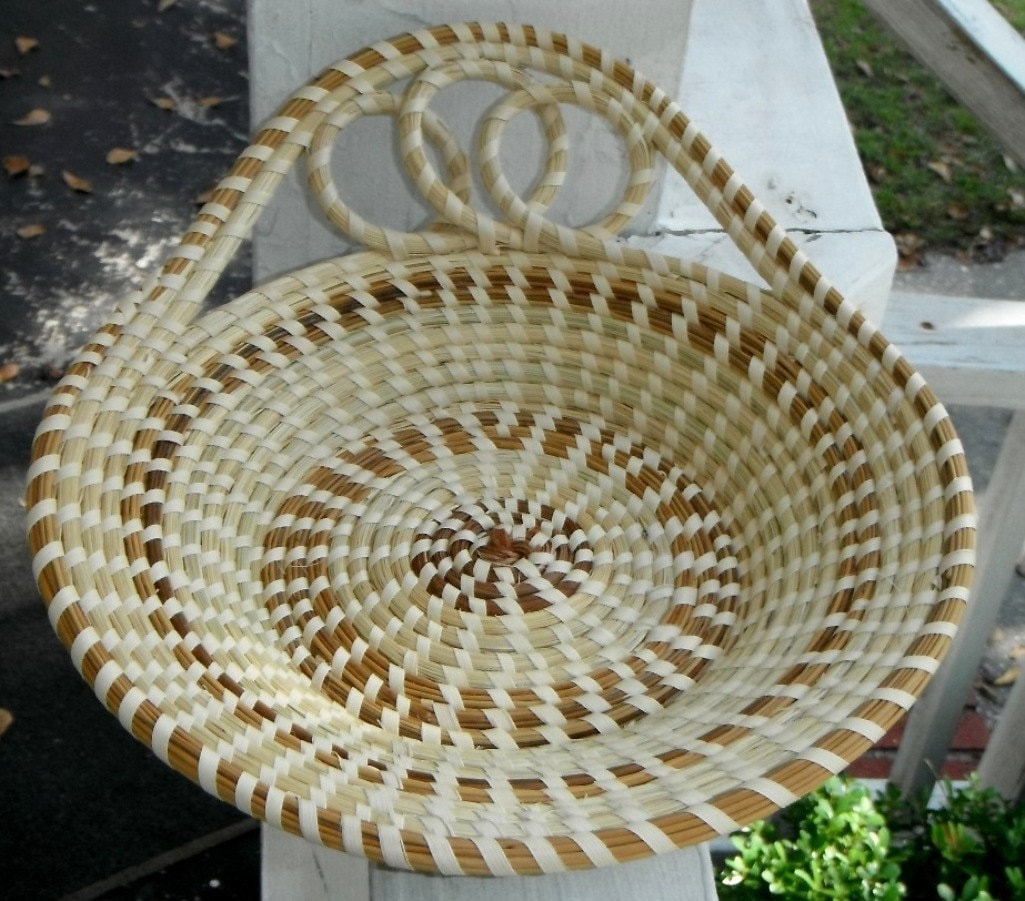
[(500, 547)]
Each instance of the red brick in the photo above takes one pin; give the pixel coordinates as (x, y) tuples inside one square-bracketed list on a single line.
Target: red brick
[(972, 733), (893, 737), (870, 767), (958, 769)]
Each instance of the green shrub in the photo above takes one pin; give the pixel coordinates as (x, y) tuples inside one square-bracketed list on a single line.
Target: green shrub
[(970, 847), (838, 842), (832, 843)]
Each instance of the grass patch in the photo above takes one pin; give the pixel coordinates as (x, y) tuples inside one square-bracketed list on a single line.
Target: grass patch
[(1013, 11), (940, 180)]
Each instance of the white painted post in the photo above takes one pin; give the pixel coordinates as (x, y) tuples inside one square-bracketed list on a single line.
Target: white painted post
[(295, 870), (757, 81), (289, 43), (754, 77)]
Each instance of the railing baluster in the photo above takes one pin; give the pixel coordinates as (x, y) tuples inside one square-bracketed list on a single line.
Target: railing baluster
[(934, 719)]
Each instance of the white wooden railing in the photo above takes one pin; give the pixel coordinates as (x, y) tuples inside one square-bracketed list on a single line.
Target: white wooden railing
[(973, 352), (974, 51)]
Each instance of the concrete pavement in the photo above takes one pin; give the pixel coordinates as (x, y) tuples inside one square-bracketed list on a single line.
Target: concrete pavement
[(80, 799)]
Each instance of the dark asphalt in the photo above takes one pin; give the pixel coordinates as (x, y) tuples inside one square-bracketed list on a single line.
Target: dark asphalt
[(84, 806)]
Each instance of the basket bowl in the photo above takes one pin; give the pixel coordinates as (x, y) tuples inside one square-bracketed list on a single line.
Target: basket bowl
[(503, 562)]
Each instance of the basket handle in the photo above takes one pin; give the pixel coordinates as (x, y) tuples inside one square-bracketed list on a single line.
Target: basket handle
[(574, 73)]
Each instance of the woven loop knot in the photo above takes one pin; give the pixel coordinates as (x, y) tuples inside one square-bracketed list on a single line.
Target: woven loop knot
[(505, 550)]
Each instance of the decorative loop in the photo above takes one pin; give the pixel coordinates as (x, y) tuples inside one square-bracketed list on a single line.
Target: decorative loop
[(413, 117), (527, 215), (524, 227), (377, 237)]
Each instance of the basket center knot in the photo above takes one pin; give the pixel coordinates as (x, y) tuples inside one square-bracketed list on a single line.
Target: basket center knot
[(503, 549)]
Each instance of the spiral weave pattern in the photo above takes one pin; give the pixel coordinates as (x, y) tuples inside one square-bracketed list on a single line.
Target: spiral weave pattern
[(502, 547)]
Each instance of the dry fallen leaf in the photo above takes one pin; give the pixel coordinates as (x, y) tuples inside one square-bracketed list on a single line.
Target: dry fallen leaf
[(118, 156), (165, 4), (16, 165), (6, 718), (877, 174), (9, 371), (987, 246), (31, 231), (45, 81), (865, 67), (1018, 651), (223, 41), (8, 72), (25, 44), (941, 168), (165, 103), (1008, 676), (211, 101), (950, 155), (1017, 198), (957, 212), (76, 182), (910, 250), (37, 116)]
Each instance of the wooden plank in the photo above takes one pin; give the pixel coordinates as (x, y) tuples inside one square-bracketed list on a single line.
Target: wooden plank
[(974, 51), (859, 263), (681, 876), (970, 350), (935, 717), (992, 34), (757, 81), (293, 868)]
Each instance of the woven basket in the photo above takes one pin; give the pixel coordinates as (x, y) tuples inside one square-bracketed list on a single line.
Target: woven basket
[(500, 547)]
